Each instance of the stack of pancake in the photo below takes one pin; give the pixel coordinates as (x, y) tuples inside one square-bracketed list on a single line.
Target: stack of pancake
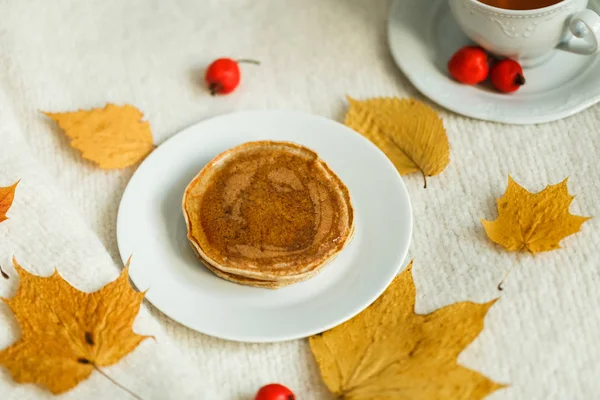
[(267, 214)]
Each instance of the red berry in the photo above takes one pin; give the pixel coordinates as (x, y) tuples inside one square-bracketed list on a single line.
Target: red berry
[(274, 391), (222, 76), (507, 76), (469, 65)]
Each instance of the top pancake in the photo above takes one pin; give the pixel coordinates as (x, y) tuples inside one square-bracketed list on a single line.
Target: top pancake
[(268, 210)]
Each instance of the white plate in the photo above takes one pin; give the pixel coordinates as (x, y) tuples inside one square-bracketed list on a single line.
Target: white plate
[(423, 36), (151, 227)]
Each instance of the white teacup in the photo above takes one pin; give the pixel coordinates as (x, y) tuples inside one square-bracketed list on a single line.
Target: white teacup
[(530, 36)]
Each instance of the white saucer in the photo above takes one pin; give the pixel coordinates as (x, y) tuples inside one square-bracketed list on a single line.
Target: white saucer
[(151, 227), (423, 36)]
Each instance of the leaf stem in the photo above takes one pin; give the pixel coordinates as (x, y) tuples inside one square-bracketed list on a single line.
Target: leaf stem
[(115, 382), (500, 288), (517, 259), (4, 274), (411, 160)]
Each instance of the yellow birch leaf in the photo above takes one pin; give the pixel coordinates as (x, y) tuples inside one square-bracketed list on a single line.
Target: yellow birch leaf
[(388, 352), (66, 333), (534, 222), (112, 137), (7, 195), (408, 131)]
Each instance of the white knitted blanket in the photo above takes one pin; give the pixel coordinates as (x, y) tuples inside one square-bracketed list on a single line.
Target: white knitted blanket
[(542, 337)]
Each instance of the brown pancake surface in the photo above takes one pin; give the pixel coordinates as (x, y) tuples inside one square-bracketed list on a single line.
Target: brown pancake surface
[(268, 210)]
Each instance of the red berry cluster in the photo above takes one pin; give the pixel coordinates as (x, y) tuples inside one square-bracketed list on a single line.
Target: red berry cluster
[(471, 65)]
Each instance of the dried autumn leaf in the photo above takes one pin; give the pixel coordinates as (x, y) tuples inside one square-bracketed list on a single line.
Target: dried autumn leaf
[(533, 222), (112, 137), (7, 195), (408, 131), (66, 333), (389, 352)]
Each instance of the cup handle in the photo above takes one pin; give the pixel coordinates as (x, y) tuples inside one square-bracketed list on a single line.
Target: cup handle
[(585, 30)]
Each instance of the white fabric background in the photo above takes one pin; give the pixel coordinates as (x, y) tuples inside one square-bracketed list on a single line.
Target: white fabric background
[(541, 337)]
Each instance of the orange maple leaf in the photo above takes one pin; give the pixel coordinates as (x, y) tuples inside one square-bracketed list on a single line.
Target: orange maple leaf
[(390, 352), (533, 222), (7, 195), (66, 333)]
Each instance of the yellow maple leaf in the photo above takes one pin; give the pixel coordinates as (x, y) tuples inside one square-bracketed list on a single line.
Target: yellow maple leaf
[(389, 352), (66, 333), (7, 195), (408, 131), (533, 222), (112, 137)]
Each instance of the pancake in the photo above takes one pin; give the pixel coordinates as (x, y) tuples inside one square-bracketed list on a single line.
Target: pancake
[(268, 211), (242, 280)]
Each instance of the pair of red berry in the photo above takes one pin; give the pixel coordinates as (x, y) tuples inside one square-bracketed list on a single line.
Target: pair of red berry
[(471, 65)]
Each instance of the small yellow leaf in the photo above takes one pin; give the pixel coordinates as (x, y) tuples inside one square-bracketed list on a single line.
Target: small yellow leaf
[(533, 222), (389, 352), (66, 333), (7, 195), (408, 131), (112, 137)]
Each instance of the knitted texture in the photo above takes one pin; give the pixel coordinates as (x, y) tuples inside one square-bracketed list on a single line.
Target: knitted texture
[(541, 337)]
